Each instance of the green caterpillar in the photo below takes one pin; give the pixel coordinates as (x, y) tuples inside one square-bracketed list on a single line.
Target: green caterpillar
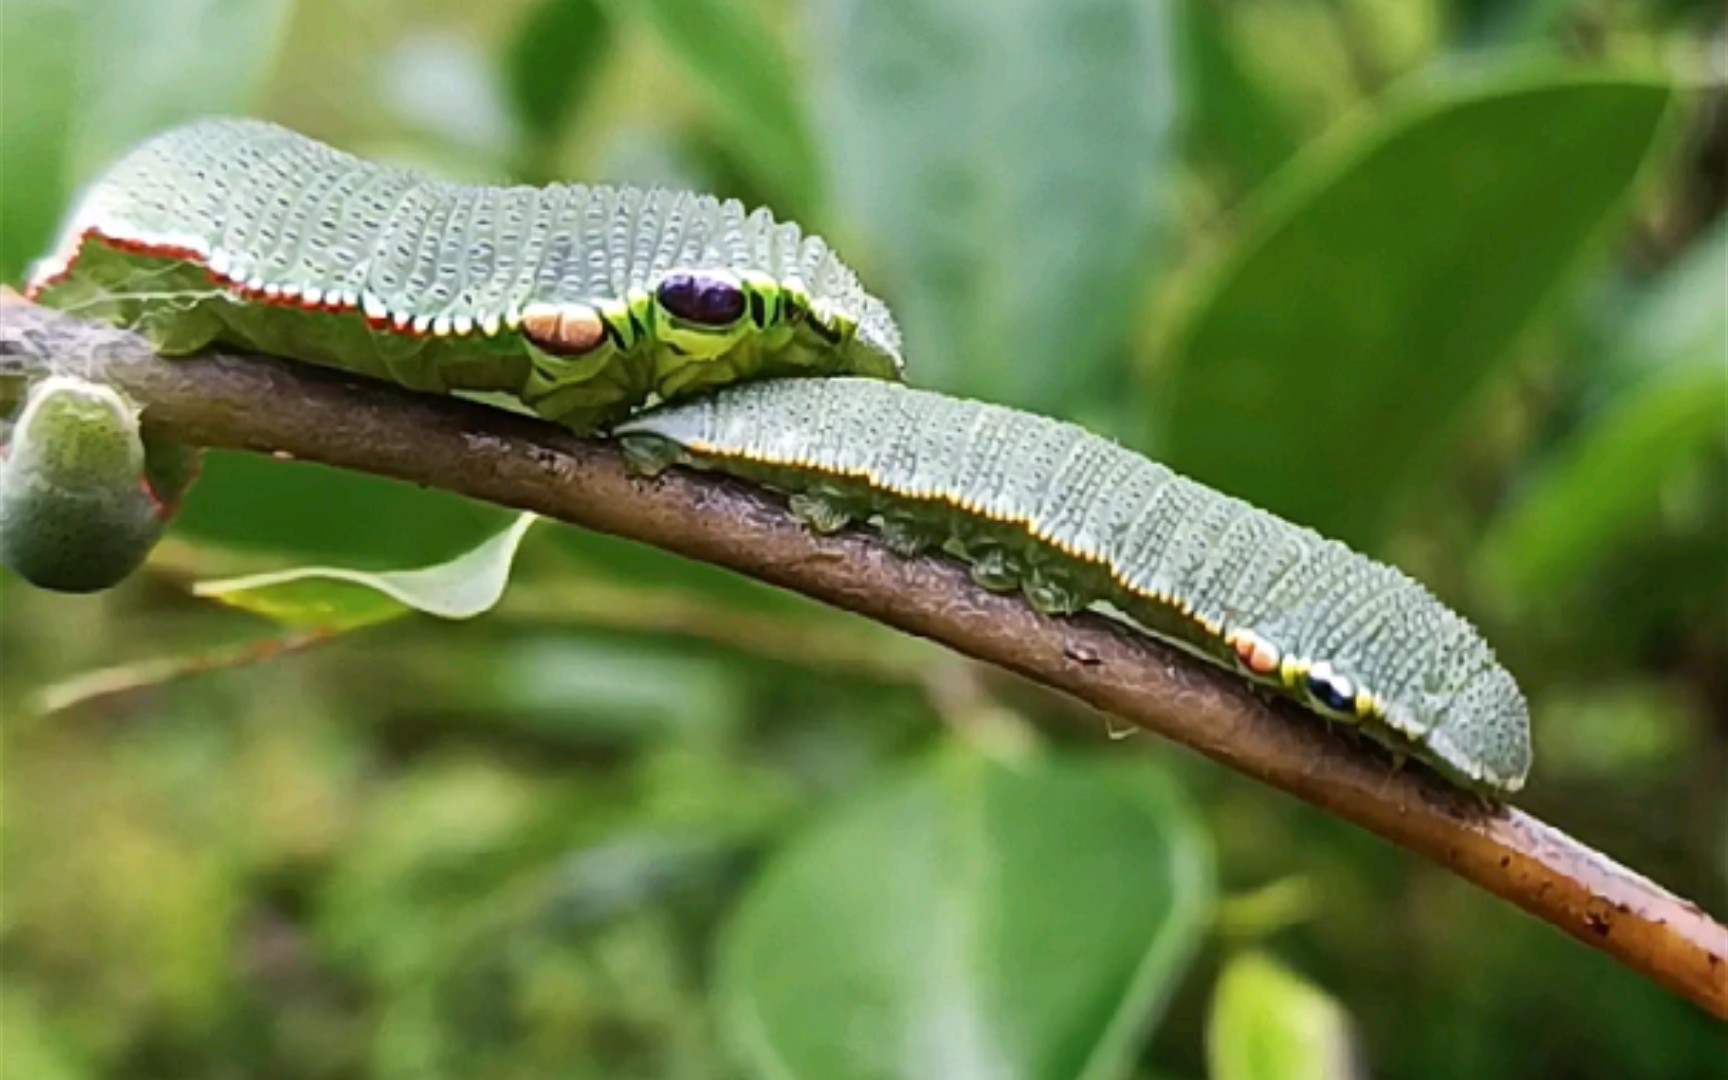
[(582, 301), (1073, 520)]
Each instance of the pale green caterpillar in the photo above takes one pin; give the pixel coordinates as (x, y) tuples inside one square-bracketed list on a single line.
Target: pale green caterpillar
[(83, 498), (1074, 520), (582, 301)]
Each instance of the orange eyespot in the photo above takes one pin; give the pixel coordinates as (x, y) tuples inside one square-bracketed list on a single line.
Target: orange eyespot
[(1256, 654), (567, 330)]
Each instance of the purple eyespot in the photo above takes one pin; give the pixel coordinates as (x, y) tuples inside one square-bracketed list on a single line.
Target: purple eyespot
[(702, 298), (1331, 689)]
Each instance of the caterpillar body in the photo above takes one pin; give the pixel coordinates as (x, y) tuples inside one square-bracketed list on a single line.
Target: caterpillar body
[(1073, 520), (583, 301)]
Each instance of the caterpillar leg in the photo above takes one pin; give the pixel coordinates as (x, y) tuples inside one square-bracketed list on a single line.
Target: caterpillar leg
[(995, 569), (906, 537), (1052, 593), (648, 455), (821, 513)]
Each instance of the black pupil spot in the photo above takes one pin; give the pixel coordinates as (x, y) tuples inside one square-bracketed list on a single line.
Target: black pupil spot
[(701, 299), (1330, 692)]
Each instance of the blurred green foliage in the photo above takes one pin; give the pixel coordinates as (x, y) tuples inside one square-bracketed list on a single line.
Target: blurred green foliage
[(1443, 278), (1267, 1024)]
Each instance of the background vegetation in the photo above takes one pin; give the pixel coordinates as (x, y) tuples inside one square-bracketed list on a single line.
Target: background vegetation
[(1443, 279)]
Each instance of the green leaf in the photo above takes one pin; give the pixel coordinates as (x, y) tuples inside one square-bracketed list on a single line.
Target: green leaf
[(969, 919), (311, 511), (1607, 483), (149, 66), (1337, 354), (335, 597), (36, 1045), (738, 58), (85, 79), (1238, 123), (1005, 172), (552, 64), (1269, 1024), (37, 91)]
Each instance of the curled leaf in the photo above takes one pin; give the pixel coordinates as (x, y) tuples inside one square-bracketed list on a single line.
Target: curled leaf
[(337, 597)]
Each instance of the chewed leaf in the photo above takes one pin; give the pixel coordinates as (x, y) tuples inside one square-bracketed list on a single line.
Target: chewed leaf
[(344, 598)]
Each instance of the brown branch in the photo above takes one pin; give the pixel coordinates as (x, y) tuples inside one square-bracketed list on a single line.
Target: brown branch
[(286, 408)]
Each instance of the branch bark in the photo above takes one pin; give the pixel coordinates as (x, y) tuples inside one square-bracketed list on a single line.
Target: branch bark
[(277, 407)]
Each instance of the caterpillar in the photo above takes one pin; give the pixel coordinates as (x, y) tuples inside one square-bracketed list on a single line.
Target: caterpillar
[(83, 498), (581, 301), (1073, 520)]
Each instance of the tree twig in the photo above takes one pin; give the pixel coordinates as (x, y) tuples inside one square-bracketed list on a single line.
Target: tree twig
[(280, 407)]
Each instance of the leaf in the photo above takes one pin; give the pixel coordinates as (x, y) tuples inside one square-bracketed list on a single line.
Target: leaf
[(149, 66), (1606, 483), (736, 55), (969, 919), (443, 84), (85, 79), (36, 1045), (1341, 348), (1237, 124), (335, 597), (553, 61), (36, 87), (1006, 169), (1269, 1024), (314, 512)]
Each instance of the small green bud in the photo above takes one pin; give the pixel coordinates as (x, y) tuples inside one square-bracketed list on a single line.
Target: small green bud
[(77, 511)]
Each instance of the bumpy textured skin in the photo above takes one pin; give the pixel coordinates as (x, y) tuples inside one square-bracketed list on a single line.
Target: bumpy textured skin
[(325, 257), (76, 511), (1074, 519)]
